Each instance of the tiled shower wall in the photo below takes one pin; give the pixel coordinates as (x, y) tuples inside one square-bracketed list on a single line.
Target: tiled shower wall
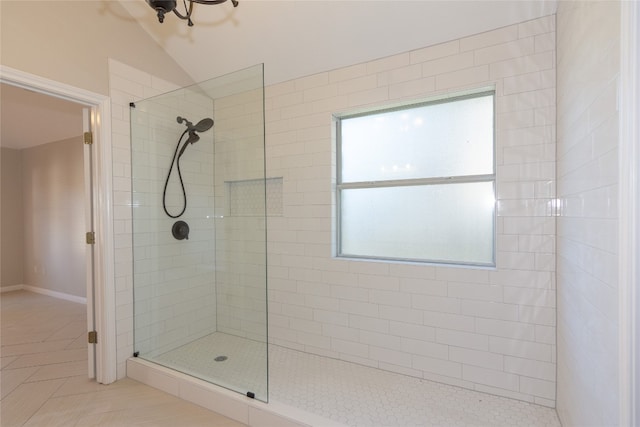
[(175, 292), (486, 329), (241, 266), (216, 279), (588, 74), (126, 84)]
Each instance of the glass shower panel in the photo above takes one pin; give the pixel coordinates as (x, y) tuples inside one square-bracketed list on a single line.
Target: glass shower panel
[(199, 231)]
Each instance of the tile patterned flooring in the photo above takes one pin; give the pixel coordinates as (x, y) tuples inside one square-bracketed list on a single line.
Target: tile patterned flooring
[(43, 377)]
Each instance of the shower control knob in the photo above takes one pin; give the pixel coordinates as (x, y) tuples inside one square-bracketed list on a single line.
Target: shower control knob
[(180, 230)]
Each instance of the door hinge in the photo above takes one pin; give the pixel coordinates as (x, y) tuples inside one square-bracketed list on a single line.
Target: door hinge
[(88, 138), (91, 238), (93, 337)]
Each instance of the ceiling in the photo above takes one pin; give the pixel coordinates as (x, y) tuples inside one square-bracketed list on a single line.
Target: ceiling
[(29, 118), (293, 38), (296, 38)]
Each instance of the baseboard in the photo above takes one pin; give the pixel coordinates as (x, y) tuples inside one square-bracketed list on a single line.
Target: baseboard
[(55, 294), (11, 288)]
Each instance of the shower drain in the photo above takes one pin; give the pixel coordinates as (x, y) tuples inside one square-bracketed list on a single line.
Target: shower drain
[(220, 358)]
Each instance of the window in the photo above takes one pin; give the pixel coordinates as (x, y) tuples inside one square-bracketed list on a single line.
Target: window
[(417, 183)]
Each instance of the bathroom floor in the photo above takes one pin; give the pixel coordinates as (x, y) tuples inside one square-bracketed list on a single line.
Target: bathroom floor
[(43, 380), (348, 393)]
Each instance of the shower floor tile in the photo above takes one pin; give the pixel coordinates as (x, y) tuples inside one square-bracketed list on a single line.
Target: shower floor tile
[(348, 393), (244, 368)]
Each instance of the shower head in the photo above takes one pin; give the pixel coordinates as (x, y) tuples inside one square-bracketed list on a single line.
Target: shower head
[(202, 126)]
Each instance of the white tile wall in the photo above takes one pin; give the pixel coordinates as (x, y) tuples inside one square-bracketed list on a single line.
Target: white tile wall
[(588, 69), (464, 326), (492, 330)]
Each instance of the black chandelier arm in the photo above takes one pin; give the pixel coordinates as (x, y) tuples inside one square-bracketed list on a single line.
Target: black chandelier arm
[(189, 11)]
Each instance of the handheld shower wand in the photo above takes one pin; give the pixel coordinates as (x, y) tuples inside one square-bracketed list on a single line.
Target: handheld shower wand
[(202, 126)]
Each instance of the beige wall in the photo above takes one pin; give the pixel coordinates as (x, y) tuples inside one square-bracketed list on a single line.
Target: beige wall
[(11, 224), (588, 49), (71, 41), (53, 205)]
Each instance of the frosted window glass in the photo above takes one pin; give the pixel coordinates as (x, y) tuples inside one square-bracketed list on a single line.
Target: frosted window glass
[(440, 223), (453, 138)]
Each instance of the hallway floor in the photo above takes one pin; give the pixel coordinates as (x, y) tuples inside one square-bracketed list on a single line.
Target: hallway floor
[(43, 380)]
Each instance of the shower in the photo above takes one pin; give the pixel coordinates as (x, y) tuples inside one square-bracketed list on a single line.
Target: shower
[(203, 125), (200, 300)]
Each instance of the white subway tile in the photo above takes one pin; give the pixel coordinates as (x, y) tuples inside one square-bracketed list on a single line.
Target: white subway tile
[(350, 347), (530, 296), (401, 314), (530, 368), (356, 307), (371, 97), (474, 291), (412, 89), (380, 340), (531, 81), (490, 377), (393, 357), (435, 303), (409, 330), (522, 349), (359, 84), (482, 359), (489, 38), (466, 275), (522, 65), (438, 366), (504, 51), (393, 298), (489, 310), (340, 332), (435, 51), (449, 321), (400, 75), (463, 78), (447, 64), (314, 340), (538, 315), (463, 339), (425, 348), (380, 283), (365, 323), (507, 329), (536, 387)]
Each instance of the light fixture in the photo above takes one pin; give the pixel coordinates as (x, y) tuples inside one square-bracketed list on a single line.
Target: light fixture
[(165, 6)]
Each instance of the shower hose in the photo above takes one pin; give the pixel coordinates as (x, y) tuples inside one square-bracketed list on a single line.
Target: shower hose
[(176, 160)]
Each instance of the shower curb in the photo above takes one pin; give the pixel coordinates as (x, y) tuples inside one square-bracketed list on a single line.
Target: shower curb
[(228, 403)]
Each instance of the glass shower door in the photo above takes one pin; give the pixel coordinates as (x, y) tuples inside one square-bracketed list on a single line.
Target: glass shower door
[(199, 231)]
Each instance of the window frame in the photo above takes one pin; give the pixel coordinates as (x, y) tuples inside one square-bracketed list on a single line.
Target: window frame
[(458, 179)]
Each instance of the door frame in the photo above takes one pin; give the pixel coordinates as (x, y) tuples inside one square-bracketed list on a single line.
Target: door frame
[(103, 299)]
